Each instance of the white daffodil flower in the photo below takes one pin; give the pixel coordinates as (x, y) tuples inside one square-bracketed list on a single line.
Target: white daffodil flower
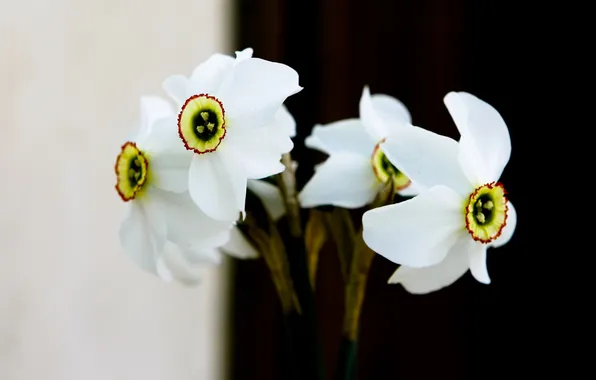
[(357, 167), (160, 222), (226, 109), (188, 266), (446, 230)]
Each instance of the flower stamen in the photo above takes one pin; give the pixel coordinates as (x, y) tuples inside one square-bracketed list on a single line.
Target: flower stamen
[(486, 212), (201, 123), (132, 169), (384, 170)]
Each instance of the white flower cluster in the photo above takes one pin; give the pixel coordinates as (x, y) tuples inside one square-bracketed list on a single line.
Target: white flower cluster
[(186, 172), (185, 175), (461, 209)]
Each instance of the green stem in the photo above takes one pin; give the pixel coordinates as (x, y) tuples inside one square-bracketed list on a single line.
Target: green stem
[(355, 290), (306, 329), (346, 365), (306, 337), (354, 299)]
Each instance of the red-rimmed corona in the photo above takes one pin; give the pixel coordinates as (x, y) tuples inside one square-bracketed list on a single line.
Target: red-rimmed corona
[(384, 170), (486, 212), (202, 123), (132, 172)]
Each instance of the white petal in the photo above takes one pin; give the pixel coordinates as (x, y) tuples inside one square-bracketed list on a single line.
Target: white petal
[(418, 232), (138, 238), (435, 277), (162, 270), (509, 228), (285, 121), (410, 191), (235, 170), (209, 75), (211, 188), (183, 265), (271, 197), (259, 150), (255, 91), (199, 255), (391, 112), (344, 136), (170, 172), (153, 108), (153, 208), (189, 226), (173, 266), (382, 114), (343, 180), (477, 256), (239, 247), (176, 86), (243, 55), (427, 158), (485, 142), (163, 136), (169, 161), (205, 256)]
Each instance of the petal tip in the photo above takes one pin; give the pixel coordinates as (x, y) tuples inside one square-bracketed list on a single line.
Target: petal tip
[(248, 52), (450, 97), (451, 94), (296, 90), (394, 279), (311, 142), (485, 279)]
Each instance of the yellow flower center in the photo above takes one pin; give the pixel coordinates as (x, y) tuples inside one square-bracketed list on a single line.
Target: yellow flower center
[(132, 169), (486, 212), (384, 170), (201, 123)]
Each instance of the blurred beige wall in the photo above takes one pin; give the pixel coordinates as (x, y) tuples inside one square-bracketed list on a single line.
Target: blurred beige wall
[(71, 304)]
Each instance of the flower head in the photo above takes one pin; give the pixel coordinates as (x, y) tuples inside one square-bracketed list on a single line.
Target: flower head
[(163, 226), (187, 263), (226, 121), (462, 209), (357, 166)]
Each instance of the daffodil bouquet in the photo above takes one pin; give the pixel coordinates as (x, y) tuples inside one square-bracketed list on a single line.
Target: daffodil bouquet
[(432, 204)]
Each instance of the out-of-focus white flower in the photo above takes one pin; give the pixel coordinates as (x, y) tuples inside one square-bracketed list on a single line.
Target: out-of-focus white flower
[(357, 167), (441, 233), (160, 222), (187, 263), (226, 122)]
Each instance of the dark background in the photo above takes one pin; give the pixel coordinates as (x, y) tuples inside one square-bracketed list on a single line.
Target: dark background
[(416, 51)]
